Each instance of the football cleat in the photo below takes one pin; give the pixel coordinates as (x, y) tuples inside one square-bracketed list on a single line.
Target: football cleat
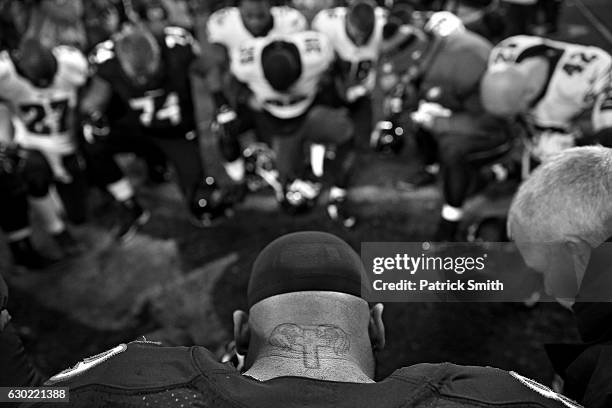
[(131, 217), (387, 137), (68, 244), (300, 196)]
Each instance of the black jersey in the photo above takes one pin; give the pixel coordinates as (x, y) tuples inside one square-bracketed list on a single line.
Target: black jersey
[(144, 374), (164, 106)]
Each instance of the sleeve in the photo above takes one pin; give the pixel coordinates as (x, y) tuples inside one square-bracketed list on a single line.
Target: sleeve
[(602, 91), (215, 27), (73, 63)]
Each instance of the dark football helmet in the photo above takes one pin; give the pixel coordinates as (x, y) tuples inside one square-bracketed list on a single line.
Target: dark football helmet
[(260, 167)]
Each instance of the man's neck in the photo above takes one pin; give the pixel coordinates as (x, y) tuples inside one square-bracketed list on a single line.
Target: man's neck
[(323, 351), (269, 367)]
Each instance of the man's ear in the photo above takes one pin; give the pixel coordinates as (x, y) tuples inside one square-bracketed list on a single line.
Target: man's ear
[(241, 331), (376, 328)]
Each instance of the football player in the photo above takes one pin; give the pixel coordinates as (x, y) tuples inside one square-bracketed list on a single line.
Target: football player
[(550, 84), (356, 34), (226, 30), (452, 127), (14, 217), (284, 75), (40, 85), (309, 339), (152, 78)]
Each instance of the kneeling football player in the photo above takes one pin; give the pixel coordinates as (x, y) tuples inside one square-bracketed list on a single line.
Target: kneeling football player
[(284, 75)]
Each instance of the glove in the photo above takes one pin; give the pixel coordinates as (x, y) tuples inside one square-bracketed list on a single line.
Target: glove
[(427, 113), (95, 126)]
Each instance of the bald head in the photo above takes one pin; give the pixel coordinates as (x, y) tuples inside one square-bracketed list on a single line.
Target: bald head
[(504, 90), (306, 310)]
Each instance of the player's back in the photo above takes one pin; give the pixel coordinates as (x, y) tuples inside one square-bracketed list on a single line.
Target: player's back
[(456, 70), (578, 73), (147, 375), (45, 113)]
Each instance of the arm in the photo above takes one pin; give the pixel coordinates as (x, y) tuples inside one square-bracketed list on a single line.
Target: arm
[(6, 124), (96, 97)]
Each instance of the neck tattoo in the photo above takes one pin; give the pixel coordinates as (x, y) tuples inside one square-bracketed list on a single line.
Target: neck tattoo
[(308, 342)]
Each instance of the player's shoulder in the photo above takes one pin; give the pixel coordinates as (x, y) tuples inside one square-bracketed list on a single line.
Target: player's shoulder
[(141, 363), (484, 386), (288, 19), (328, 18), (285, 12), (71, 59), (223, 17)]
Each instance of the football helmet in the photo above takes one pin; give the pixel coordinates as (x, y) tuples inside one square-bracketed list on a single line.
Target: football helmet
[(300, 196), (260, 167)]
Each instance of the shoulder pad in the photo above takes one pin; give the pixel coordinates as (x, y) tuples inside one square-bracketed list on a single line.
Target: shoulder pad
[(292, 19), (218, 19), (123, 366), (82, 366)]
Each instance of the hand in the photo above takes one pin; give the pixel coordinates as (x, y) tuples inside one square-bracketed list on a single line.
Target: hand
[(427, 113), (355, 92), (95, 126), (227, 119)]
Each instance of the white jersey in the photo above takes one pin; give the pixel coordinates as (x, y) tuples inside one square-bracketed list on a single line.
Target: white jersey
[(226, 27), (316, 57), (45, 114), (358, 62), (579, 79)]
